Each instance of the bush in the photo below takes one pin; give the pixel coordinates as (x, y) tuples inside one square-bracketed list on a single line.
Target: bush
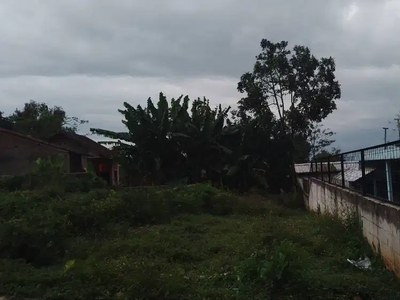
[(273, 270), (84, 182), (14, 183), (31, 230), (37, 224), (70, 183), (99, 245)]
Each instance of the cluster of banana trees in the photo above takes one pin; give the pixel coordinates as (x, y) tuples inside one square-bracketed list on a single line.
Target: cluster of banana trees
[(177, 140)]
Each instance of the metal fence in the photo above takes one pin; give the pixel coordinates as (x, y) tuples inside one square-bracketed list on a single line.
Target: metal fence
[(373, 171)]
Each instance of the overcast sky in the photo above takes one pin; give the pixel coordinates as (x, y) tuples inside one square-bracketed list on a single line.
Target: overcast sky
[(89, 56)]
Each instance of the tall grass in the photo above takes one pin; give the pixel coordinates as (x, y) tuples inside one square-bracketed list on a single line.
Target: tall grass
[(189, 242)]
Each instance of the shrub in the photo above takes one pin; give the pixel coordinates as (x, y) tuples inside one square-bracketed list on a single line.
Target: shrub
[(37, 224), (262, 251), (83, 182), (37, 236), (275, 269), (291, 200), (14, 183)]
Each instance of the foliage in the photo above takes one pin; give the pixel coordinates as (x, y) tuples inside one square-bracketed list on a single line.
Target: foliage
[(319, 139), (4, 122), (14, 183), (169, 142), (147, 149), (46, 218), (83, 182), (48, 173), (173, 243), (39, 120), (49, 166), (272, 271), (300, 88), (323, 154), (184, 141)]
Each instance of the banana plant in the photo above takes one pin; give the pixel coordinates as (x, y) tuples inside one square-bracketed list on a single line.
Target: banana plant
[(147, 144), (200, 136), (173, 140)]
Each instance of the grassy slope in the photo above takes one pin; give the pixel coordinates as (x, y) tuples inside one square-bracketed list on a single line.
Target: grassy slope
[(248, 248)]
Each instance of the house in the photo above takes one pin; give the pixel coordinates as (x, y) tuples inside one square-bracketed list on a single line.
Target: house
[(84, 151), (18, 154)]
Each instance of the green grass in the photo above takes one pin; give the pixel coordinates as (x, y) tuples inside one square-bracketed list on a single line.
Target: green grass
[(186, 243)]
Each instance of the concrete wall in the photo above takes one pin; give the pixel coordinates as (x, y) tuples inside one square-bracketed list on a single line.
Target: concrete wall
[(380, 219), (18, 154)]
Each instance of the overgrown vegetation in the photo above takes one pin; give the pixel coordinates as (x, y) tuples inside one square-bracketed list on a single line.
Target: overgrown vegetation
[(188, 242), (48, 174), (257, 144), (68, 237)]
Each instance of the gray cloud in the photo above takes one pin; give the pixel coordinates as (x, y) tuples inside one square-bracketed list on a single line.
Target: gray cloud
[(167, 39), (90, 56)]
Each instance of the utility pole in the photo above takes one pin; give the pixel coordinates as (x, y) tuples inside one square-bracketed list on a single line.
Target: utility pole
[(388, 172), (385, 128), (398, 125)]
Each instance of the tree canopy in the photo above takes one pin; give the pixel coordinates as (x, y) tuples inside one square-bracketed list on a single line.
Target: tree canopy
[(176, 139), (39, 120), (288, 94), (5, 122), (295, 86)]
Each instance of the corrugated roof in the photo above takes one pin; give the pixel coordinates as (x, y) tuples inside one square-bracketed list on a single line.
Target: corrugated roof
[(302, 168), (353, 174), (352, 171)]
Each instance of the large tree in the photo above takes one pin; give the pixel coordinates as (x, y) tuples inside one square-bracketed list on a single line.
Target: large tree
[(5, 122), (41, 121), (299, 88)]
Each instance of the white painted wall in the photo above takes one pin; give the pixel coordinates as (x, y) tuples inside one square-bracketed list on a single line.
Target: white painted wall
[(380, 220)]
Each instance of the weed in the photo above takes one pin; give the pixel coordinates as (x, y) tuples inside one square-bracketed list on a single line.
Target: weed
[(180, 242)]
